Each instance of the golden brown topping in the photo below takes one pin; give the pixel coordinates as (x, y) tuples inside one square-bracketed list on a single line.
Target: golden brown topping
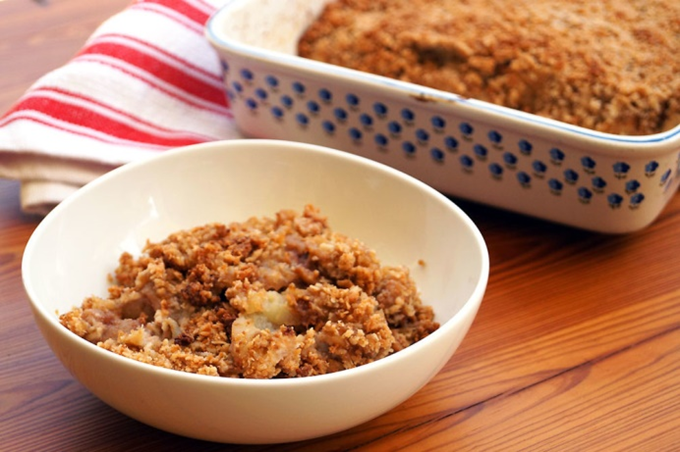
[(610, 65), (269, 297)]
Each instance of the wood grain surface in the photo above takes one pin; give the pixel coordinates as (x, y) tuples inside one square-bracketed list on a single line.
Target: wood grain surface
[(576, 346)]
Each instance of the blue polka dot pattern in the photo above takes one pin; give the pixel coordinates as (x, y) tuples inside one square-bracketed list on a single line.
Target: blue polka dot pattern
[(381, 140), (451, 143), (302, 119), (352, 100), (394, 127), (271, 81), (465, 128), (328, 126), (409, 148), (287, 101), (421, 133), (325, 95), (438, 123), (298, 88), (313, 107), (277, 112), (407, 115), (355, 134), (437, 154), (340, 114), (366, 120), (495, 137), (247, 75), (380, 109), (261, 94)]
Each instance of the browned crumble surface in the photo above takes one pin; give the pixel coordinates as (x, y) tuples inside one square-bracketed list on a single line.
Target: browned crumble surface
[(609, 65), (269, 297)]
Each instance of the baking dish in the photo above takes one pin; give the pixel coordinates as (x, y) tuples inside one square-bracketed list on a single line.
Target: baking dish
[(462, 147)]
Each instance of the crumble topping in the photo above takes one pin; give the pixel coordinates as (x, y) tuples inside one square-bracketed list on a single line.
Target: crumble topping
[(610, 65), (266, 298)]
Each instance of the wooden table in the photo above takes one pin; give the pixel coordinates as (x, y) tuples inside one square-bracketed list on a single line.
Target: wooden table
[(576, 346)]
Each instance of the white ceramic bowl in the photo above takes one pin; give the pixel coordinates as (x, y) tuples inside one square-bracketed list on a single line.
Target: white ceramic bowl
[(79, 242), (462, 147)]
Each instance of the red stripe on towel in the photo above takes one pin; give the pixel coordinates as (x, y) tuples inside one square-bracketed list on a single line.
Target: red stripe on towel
[(66, 113), (186, 9), (157, 84), (114, 111), (172, 14), (216, 77), (161, 70)]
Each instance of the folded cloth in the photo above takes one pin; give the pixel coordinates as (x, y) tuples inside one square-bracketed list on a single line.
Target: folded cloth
[(147, 80)]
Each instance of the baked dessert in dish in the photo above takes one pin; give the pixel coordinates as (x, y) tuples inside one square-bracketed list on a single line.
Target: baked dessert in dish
[(266, 298), (609, 66)]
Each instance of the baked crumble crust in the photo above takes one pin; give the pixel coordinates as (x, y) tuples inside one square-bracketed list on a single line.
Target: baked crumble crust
[(266, 298), (610, 66)]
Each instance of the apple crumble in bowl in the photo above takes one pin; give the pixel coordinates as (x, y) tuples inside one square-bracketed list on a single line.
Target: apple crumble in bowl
[(224, 271), (269, 297)]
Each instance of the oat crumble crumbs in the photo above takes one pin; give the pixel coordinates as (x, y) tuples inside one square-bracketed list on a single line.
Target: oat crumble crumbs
[(610, 65), (266, 298)]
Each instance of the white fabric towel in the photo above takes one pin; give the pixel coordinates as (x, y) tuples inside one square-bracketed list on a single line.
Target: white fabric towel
[(147, 80)]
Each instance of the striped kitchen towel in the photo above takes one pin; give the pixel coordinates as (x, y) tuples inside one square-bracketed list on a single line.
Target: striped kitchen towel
[(146, 80)]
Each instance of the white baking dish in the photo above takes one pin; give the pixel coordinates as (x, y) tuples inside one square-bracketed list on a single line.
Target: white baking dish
[(462, 147)]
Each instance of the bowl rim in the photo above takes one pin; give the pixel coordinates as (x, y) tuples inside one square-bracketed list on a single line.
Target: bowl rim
[(662, 141), (468, 308)]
